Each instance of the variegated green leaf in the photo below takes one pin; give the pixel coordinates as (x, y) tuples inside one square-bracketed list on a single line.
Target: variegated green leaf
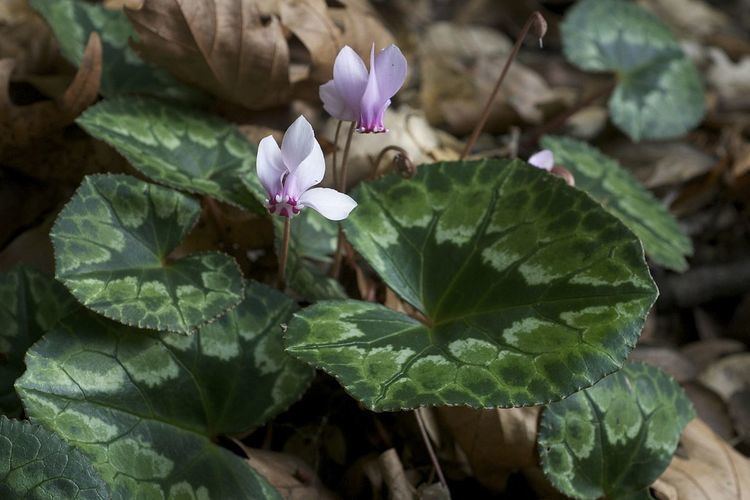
[(30, 304), (624, 197), (146, 406), (530, 291), (112, 250), (180, 147), (659, 93), (313, 241), (35, 464), (614, 439), (123, 71)]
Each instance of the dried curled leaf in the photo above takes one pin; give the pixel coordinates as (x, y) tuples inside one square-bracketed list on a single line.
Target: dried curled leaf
[(247, 51), (19, 125), (711, 469)]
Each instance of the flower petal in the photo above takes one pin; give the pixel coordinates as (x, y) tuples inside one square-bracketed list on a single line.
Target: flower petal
[(335, 104), (270, 166), (373, 104), (390, 65), (309, 173), (298, 143), (544, 159), (329, 203), (350, 77)]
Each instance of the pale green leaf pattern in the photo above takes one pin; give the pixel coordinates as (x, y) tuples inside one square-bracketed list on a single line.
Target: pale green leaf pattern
[(112, 244), (30, 304), (616, 438), (180, 147), (145, 406), (623, 196), (35, 464), (313, 241), (123, 71), (530, 290), (659, 94)]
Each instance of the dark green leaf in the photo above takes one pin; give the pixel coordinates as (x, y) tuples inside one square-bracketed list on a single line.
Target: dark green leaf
[(529, 289), (37, 464), (123, 71), (614, 439), (624, 197), (177, 146), (145, 406), (313, 241), (659, 94), (30, 304), (112, 245)]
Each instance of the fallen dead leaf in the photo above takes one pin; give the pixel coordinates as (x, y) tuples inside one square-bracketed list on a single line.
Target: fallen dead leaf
[(728, 375), (292, 477), (731, 80), (668, 359), (711, 409), (246, 51), (496, 441), (393, 473), (22, 124), (706, 468), (694, 18), (459, 66)]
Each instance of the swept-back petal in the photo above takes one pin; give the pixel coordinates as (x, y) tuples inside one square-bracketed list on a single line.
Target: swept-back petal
[(329, 203), (335, 104), (544, 159), (390, 65), (350, 76), (270, 166), (309, 173), (298, 143), (373, 104)]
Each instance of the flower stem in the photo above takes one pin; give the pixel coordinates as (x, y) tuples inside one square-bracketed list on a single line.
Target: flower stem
[(335, 153), (536, 20), (430, 451), (338, 256), (281, 281)]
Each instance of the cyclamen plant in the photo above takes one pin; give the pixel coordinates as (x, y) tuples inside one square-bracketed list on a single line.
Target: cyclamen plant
[(518, 290)]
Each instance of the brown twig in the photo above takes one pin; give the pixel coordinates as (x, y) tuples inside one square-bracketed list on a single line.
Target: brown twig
[(535, 20), (281, 281), (560, 119), (430, 451)]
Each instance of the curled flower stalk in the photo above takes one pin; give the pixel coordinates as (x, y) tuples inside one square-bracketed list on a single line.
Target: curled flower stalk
[(545, 160), (288, 175)]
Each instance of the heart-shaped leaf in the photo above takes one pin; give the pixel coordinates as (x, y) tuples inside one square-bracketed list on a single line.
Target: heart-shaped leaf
[(624, 197), (112, 244), (30, 304), (313, 241), (614, 439), (659, 93), (529, 291), (37, 464), (145, 406), (123, 71), (177, 146)]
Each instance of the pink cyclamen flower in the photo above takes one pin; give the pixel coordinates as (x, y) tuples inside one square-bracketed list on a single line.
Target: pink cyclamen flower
[(358, 96), (289, 173), (544, 159)]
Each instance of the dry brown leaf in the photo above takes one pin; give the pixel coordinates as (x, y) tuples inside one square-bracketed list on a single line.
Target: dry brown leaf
[(730, 79), (394, 476), (292, 477), (706, 469), (496, 441), (20, 125), (668, 359), (459, 66), (689, 17), (246, 51), (728, 375)]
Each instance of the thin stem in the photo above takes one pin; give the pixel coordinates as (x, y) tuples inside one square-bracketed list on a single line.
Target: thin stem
[(336, 153), (380, 157), (430, 451), (560, 119), (535, 19), (337, 258), (281, 282)]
